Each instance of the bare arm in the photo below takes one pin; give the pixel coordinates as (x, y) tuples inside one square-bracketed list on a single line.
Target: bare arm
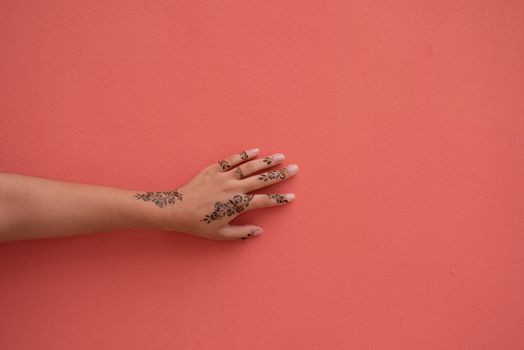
[(33, 207)]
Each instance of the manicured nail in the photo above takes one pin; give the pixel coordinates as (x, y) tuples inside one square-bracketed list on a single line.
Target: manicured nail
[(289, 196), (257, 231), (253, 151), (293, 169), (277, 157)]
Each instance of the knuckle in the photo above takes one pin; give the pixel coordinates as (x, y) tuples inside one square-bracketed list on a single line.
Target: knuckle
[(238, 173), (230, 184), (224, 164), (209, 172), (248, 167), (211, 168)]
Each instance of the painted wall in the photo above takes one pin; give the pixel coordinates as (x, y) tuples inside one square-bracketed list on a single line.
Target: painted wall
[(406, 118)]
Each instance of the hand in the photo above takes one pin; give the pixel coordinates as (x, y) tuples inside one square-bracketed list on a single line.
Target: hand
[(219, 193)]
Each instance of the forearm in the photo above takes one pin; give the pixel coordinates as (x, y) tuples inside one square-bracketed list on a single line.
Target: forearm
[(32, 207)]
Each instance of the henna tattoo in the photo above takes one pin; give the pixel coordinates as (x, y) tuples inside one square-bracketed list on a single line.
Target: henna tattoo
[(279, 198), (234, 205), (160, 199), (239, 172), (267, 160), (273, 175), (248, 235), (224, 165), (244, 155)]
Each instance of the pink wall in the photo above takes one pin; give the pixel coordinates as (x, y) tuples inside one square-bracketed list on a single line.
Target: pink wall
[(406, 118)]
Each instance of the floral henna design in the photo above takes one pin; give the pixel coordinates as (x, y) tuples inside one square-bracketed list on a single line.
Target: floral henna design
[(234, 205), (160, 199), (267, 160), (239, 172), (280, 199), (273, 175), (244, 155), (224, 165)]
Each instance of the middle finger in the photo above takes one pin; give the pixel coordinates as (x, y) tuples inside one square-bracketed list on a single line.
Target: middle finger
[(259, 181)]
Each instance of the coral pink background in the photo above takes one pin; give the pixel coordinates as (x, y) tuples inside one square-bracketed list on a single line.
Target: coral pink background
[(406, 118)]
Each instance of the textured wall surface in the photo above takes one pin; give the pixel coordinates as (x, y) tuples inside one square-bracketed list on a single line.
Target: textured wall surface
[(405, 117)]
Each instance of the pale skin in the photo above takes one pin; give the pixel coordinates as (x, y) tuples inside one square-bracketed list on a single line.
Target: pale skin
[(34, 207)]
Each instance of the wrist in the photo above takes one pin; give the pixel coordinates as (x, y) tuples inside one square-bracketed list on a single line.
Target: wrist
[(155, 209)]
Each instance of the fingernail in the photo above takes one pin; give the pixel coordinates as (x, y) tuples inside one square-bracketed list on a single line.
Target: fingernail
[(253, 151), (277, 157), (257, 231), (293, 169), (289, 196)]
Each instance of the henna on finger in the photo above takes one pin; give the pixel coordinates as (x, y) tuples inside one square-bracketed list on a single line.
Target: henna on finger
[(239, 172), (160, 199), (250, 234), (247, 236), (224, 165), (236, 204), (267, 160), (273, 175), (279, 198), (244, 155)]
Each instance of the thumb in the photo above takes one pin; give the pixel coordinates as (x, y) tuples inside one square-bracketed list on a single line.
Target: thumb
[(241, 232)]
